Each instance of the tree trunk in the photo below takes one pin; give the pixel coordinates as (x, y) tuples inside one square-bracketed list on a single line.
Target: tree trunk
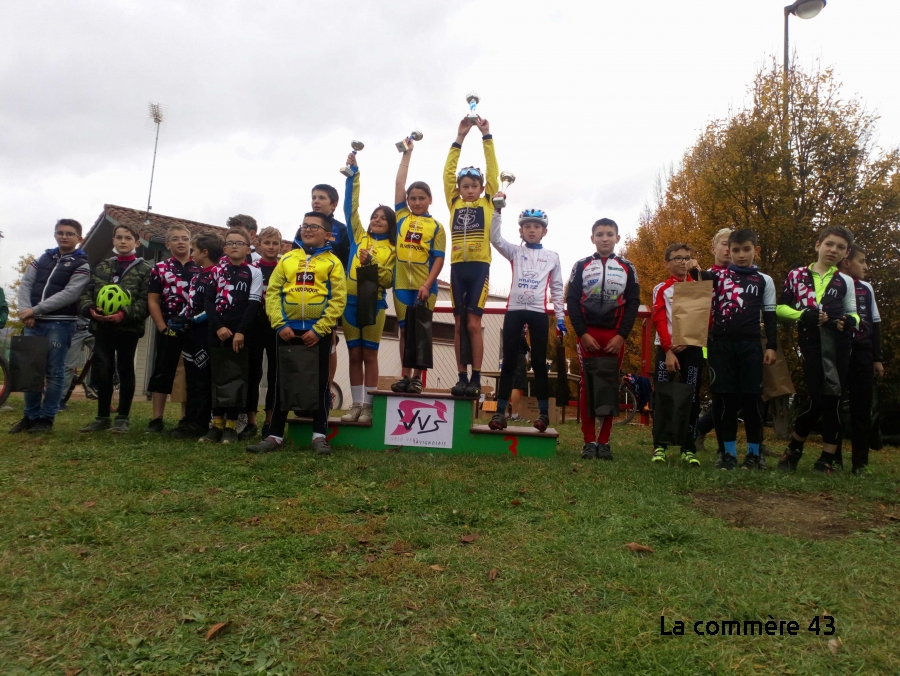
[(781, 416)]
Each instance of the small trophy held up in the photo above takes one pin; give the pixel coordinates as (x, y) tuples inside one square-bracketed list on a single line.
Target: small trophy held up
[(403, 146), (507, 178), (473, 100), (357, 146)]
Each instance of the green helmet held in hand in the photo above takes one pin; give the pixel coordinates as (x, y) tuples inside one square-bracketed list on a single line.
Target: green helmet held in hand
[(112, 298)]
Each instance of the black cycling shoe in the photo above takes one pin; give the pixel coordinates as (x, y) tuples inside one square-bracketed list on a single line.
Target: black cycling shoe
[(589, 452), (401, 385), (823, 467), (415, 386), (23, 425), (729, 462), (248, 432), (155, 426), (498, 422), (751, 461), (459, 390), (789, 460), (472, 390), (41, 425), (542, 423), (604, 452)]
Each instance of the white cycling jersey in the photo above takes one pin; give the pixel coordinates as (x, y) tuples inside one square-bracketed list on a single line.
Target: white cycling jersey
[(535, 269)]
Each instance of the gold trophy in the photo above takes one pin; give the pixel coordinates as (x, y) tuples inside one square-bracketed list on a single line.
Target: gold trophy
[(473, 100), (403, 146), (357, 146), (507, 178)]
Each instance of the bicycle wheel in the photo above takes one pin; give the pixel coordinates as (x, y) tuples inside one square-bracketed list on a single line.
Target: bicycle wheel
[(4, 380), (337, 397), (627, 405)]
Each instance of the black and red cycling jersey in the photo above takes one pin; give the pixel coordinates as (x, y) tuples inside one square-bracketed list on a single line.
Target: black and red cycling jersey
[(171, 279), (604, 293), (233, 297)]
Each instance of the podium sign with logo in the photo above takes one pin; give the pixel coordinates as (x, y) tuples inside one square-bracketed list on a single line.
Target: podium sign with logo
[(426, 423)]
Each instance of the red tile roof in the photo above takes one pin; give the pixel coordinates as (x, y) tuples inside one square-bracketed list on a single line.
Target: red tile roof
[(158, 223)]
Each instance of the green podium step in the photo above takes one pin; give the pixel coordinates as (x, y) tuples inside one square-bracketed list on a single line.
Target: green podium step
[(435, 422)]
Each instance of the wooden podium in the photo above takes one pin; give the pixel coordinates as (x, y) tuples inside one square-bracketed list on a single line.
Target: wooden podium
[(435, 422)]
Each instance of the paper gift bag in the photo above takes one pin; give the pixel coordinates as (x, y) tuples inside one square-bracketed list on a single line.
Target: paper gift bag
[(27, 363), (601, 375), (672, 412), (417, 353), (777, 377), (230, 371), (366, 295), (691, 305), (298, 377)]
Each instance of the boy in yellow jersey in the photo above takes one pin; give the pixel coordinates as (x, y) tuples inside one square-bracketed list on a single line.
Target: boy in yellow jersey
[(305, 297), (421, 243), (468, 196), (374, 245)]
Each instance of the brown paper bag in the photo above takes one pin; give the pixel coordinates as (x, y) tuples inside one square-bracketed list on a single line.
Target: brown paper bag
[(777, 377), (691, 305)]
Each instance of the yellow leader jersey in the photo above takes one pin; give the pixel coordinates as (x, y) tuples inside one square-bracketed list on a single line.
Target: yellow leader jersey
[(383, 252), (420, 241), (470, 222), (307, 291)]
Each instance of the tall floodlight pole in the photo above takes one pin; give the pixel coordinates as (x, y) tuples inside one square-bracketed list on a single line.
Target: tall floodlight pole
[(156, 114), (803, 9)]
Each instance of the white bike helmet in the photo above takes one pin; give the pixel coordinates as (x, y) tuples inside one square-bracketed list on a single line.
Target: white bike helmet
[(535, 215)]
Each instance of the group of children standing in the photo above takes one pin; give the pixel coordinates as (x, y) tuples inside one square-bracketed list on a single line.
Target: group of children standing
[(839, 325)]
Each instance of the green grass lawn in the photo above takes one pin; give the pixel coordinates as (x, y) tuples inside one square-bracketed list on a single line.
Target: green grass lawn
[(120, 554)]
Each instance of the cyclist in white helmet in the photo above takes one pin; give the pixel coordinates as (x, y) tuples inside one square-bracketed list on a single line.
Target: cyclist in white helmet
[(535, 271)]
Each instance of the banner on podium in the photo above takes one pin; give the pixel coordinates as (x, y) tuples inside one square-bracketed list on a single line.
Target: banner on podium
[(419, 422)]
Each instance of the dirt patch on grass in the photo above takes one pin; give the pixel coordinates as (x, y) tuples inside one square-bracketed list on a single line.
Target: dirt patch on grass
[(814, 517)]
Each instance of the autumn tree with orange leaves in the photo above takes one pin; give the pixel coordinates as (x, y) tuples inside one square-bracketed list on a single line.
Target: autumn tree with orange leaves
[(745, 172)]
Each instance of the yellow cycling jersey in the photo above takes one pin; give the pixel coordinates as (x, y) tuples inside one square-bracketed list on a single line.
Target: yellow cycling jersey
[(420, 240), (383, 252), (307, 291), (470, 222)]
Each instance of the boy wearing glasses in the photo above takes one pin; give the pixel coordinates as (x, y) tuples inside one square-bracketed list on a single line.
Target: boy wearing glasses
[(687, 359), (170, 281), (48, 306), (468, 196), (306, 296), (232, 300)]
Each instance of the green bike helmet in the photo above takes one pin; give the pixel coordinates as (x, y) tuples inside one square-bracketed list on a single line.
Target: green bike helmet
[(112, 298)]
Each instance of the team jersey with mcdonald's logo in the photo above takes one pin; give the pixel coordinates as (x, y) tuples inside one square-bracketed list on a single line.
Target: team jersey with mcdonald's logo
[(420, 241), (470, 222), (307, 291)]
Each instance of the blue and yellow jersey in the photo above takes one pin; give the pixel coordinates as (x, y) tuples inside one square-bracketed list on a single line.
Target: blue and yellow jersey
[(420, 241), (470, 222), (383, 252), (307, 291)]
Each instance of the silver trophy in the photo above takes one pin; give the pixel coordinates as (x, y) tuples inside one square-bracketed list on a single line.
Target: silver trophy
[(473, 100), (357, 146), (507, 178), (403, 146)]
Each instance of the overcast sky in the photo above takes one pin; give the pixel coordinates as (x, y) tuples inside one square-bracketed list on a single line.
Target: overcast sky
[(588, 101)]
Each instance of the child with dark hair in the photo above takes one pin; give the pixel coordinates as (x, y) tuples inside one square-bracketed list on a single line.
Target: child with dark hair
[(866, 360), (207, 254), (261, 340), (468, 196), (117, 335), (305, 298), (421, 242), (168, 297), (232, 299), (375, 246), (742, 297), (822, 300), (536, 271), (603, 300), (48, 306), (685, 359)]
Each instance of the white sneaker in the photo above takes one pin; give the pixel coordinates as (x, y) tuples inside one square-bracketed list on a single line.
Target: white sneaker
[(353, 414), (365, 414)]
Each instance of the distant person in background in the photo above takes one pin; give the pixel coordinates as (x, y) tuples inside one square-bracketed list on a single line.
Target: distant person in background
[(4, 309), (48, 305)]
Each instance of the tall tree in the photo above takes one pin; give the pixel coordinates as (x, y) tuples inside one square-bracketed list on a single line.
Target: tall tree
[(786, 179)]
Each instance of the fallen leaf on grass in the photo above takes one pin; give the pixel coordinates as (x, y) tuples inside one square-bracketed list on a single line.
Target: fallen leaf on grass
[(213, 491), (215, 630), (516, 503), (73, 672), (468, 539), (492, 574), (639, 549), (90, 503), (893, 517), (835, 644), (201, 549), (315, 612), (522, 491), (166, 491), (370, 558), (242, 548), (253, 520), (436, 567), (362, 541)]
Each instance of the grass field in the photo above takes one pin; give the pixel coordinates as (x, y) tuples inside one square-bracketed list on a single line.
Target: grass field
[(120, 555)]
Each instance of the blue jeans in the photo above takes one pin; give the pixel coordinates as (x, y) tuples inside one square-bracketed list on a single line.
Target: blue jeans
[(59, 334)]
